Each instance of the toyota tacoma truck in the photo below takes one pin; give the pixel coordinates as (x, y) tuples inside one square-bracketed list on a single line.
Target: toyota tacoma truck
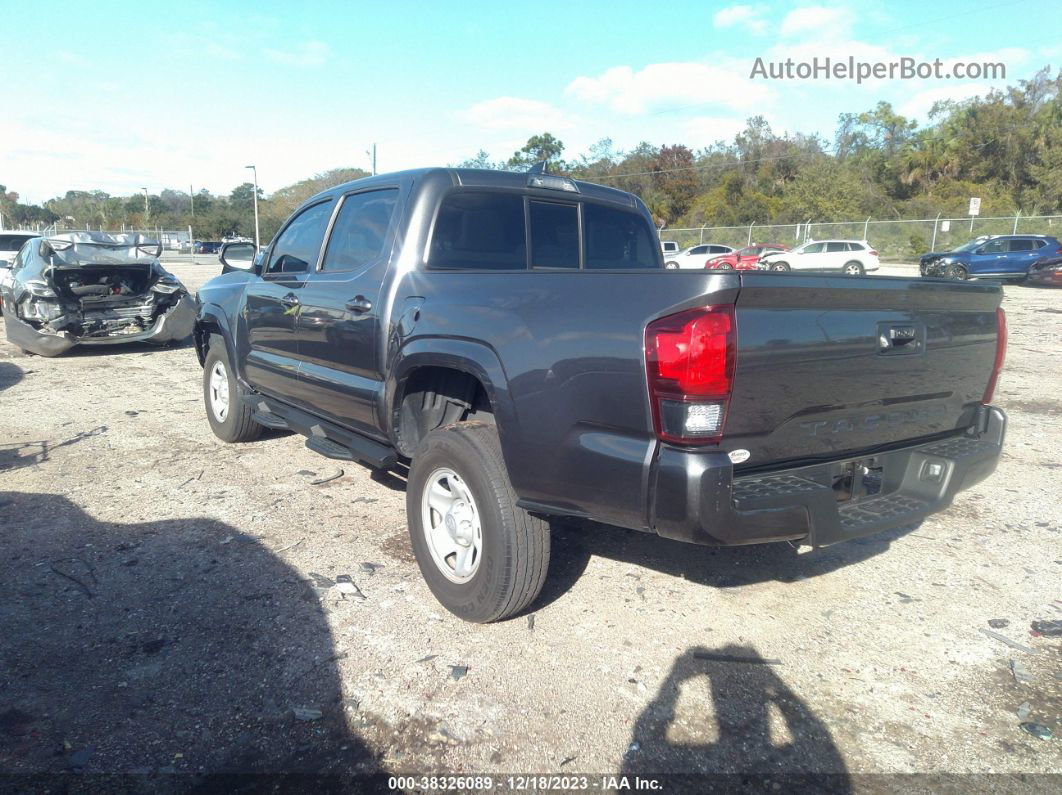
[(515, 339)]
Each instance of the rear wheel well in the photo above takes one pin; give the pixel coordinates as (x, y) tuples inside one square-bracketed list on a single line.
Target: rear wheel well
[(431, 397)]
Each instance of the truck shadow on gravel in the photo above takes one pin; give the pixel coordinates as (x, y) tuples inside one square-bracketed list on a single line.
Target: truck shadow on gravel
[(727, 713), (575, 541), (180, 646), (10, 374)]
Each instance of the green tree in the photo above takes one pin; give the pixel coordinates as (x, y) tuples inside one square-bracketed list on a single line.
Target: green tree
[(538, 147)]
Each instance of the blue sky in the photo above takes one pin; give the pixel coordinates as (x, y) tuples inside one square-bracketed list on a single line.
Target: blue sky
[(118, 96)]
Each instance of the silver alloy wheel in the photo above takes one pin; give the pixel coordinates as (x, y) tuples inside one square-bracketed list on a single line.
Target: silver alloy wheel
[(218, 391), (451, 525), (853, 269)]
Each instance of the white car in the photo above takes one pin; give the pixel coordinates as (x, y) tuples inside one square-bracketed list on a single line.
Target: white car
[(854, 257), (695, 256), (10, 243)]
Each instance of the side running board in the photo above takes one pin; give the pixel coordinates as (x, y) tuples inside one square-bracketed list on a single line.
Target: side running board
[(322, 437)]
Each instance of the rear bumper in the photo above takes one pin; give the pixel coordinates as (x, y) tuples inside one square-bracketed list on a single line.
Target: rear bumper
[(175, 324), (697, 499)]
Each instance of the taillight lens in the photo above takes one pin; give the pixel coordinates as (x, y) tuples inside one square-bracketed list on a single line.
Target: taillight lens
[(873, 253), (690, 359), (1001, 354)]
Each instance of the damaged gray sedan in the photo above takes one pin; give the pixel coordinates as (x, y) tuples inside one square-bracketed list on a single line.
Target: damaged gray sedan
[(90, 288)]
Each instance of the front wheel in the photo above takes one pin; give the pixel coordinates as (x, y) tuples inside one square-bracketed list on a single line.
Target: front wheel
[(228, 414), (781, 267), (483, 558), (959, 272), (854, 268), (671, 266)]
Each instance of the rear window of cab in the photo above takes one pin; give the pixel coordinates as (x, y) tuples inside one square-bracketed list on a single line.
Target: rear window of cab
[(483, 230)]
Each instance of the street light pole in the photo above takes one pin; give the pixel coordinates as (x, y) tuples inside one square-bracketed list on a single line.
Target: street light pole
[(147, 210), (257, 239)]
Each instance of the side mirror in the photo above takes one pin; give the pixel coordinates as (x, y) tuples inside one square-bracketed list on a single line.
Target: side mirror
[(239, 257), (5, 264)]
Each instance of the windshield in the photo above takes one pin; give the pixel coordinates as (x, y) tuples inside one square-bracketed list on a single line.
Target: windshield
[(971, 245), (98, 248)]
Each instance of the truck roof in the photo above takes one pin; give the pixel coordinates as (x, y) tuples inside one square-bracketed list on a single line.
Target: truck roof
[(486, 178)]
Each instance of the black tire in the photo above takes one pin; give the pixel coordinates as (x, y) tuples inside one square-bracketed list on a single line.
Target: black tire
[(671, 266), (958, 272), (725, 266), (854, 268), (237, 425), (515, 545), (781, 267)]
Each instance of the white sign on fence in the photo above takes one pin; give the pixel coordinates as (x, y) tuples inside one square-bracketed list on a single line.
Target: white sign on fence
[(975, 206), (945, 226)]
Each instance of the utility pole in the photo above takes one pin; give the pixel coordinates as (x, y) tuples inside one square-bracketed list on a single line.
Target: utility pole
[(373, 156), (257, 239), (191, 198), (147, 210)]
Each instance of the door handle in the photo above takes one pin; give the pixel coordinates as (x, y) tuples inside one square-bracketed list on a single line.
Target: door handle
[(359, 303), (290, 300)]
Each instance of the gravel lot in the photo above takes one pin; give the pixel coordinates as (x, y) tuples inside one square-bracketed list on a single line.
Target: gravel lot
[(169, 603)]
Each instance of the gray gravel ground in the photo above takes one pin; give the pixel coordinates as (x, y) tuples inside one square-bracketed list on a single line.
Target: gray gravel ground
[(168, 602)]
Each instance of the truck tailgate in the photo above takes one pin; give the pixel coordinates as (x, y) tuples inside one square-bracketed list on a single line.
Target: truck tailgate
[(828, 367)]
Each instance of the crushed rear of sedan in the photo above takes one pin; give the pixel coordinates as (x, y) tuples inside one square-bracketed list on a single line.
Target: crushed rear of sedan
[(90, 288)]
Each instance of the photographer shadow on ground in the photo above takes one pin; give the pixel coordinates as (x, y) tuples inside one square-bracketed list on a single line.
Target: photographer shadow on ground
[(180, 646), (726, 712)]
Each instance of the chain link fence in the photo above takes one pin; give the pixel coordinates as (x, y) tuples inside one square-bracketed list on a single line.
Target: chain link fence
[(895, 241)]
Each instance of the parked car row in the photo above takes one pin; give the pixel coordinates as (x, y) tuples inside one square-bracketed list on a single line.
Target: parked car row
[(1007, 257), (854, 257)]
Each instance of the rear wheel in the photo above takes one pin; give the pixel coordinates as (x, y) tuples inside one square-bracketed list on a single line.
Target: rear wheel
[(781, 267), (483, 557), (671, 266), (854, 268), (228, 414)]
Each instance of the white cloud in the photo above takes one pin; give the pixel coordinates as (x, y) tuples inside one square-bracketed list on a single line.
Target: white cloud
[(818, 22), (679, 83), (706, 130), (516, 113), (308, 54), (747, 17)]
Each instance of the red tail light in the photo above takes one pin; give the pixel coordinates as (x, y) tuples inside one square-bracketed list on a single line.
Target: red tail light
[(690, 359), (1001, 354), (873, 253)]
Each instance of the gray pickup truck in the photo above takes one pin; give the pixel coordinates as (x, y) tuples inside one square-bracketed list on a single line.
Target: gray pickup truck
[(515, 339)]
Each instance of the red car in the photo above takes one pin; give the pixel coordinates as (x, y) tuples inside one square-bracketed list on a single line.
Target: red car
[(1046, 272), (744, 259)]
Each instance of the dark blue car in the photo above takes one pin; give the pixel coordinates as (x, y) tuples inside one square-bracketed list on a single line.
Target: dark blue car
[(996, 257)]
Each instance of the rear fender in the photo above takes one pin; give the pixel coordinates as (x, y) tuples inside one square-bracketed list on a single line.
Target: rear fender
[(476, 359)]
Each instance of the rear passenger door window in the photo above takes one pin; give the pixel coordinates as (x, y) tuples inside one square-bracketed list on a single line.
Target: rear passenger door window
[(298, 246), (617, 239), (479, 231), (361, 230), (554, 235)]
